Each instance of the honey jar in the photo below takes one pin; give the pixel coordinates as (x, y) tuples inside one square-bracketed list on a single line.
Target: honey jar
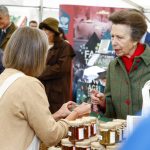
[(93, 121), (87, 127), (76, 130), (67, 145), (123, 126), (107, 133), (97, 146), (83, 145), (119, 131)]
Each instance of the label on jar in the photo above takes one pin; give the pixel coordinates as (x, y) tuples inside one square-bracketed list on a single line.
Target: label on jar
[(94, 126), (69, 133), (81, 133), (100, 137), (89, 131), (112, 137), (120, 134), (74, 148)]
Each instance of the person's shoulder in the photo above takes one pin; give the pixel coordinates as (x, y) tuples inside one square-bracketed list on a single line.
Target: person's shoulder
[(31, 81)]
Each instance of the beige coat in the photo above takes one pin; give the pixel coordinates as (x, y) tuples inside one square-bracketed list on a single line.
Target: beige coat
[(23, 111)]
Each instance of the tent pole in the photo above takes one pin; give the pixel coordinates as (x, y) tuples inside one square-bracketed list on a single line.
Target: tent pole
[(41, 11)]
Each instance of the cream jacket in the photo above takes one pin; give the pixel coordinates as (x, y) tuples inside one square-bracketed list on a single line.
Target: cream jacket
[(24, 111)]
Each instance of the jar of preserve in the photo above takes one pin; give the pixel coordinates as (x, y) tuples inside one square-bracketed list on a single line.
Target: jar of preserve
[(124, 127), (76, 130), (67, 145), (83, 145), (119, 131), (93, 122), (107, 133), (97, 146), (87, 127)]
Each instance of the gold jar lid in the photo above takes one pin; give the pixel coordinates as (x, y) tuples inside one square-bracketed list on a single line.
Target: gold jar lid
[(97, 146), (85, 143), (66, 142)]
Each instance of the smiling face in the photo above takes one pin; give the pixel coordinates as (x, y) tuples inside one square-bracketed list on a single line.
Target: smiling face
[(121, 40)]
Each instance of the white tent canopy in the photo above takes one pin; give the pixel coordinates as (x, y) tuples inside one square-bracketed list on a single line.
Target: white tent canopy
[(40, 9)]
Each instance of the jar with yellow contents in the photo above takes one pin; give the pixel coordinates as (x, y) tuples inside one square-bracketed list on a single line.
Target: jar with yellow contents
[(107, 133)]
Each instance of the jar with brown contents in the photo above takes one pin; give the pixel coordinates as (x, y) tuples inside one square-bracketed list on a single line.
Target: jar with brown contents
[(87, 127), (83, 145), (76, 130), (93, 121), (123, 127), (67, 145), (119, 131), (107, 134)]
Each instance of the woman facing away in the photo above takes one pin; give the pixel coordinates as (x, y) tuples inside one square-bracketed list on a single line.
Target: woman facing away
[(24, 107)]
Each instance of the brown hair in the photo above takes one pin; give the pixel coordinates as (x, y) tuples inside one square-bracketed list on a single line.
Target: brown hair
[(26, 51), (133, 19)]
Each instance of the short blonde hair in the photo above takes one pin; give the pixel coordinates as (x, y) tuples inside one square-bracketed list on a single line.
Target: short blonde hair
[(26, 51)]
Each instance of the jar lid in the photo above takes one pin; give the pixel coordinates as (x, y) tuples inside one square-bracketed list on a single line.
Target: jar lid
[(66, 142), (76, 122), (112, 147), (97, 145), (107, 125), (84, 143), (91, 118), (119, 120), (86, 120), (116, 124), (54, 148), (94, 138)]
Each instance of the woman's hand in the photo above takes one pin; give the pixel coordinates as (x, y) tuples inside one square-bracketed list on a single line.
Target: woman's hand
[(79, 111), (97, 98), (83, 109), (65, 110)]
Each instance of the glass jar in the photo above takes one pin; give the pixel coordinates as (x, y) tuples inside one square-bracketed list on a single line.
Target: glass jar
[(107, 133), (87, 127), (76, 130), (83, 145), (119, 131), (97, 146), (67, 145), (123, 126), (93, 121)]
